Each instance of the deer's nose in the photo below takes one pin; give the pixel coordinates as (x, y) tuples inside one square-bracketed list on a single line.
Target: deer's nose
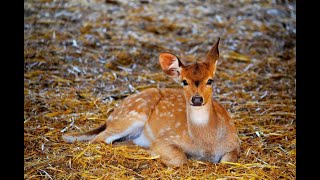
[(197, 100)]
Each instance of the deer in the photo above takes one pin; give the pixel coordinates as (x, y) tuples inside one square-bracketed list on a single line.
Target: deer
[(174, 123)]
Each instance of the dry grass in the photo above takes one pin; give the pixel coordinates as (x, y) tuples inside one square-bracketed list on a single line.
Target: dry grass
[(83, 57)]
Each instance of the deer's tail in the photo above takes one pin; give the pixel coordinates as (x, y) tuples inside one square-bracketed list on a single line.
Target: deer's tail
[(85, 136)]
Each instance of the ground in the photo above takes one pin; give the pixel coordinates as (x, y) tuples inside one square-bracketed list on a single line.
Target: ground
[(81, 58)]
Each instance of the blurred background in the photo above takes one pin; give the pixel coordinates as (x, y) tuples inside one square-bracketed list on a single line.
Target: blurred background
[(82, 57)]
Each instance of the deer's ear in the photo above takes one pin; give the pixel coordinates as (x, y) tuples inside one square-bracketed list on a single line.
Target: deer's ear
[(213, 54), (170, 64)]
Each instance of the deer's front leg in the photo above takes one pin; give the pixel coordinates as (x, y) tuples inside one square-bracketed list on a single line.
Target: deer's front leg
[(170, 154)]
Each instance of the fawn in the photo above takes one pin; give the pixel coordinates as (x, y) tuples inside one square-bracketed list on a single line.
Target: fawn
[(174, 123)]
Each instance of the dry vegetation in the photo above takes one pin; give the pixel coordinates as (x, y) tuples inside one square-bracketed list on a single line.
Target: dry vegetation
[(83, 57)]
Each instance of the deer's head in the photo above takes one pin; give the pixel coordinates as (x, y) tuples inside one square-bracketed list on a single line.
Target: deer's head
[(196, 78)]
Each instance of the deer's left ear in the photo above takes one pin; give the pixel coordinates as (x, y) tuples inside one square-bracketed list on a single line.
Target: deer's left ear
[(170, 64), (213, 54)]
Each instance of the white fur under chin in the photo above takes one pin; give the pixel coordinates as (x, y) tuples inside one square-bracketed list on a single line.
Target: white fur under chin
[(199, 115)]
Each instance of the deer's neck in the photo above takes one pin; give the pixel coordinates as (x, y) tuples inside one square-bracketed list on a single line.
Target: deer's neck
[(201, 123)]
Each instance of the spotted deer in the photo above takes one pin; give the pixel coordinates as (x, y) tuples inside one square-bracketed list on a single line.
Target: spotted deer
[(174, 123)]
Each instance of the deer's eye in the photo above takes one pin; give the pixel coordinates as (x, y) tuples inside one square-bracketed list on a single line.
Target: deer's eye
[(210, 81), (184, 82)]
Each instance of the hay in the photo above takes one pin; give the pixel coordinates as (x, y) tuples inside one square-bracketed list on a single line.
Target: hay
[(83, 57)]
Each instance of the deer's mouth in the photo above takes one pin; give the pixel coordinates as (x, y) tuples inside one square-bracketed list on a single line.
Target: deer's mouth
[(197, 104)]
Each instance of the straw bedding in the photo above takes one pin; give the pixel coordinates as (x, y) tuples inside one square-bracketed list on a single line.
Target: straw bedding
[(83, 57)]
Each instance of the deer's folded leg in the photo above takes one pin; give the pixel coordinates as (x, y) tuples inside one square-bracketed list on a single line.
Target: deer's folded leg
[(170, 154), (231, 156)]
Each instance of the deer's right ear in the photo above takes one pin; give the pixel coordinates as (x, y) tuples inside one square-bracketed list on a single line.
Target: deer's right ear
[(170, 64)]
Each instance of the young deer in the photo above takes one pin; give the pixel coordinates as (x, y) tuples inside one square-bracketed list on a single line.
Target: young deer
[(174, 123)]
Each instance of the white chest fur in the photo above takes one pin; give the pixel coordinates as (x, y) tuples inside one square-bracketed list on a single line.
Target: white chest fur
[(199, 115)]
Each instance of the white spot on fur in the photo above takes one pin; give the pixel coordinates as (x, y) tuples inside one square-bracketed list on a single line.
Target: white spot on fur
[(180, 110), (177, 124), (133, 113), (137, 100), (142, 105), (164, 130)]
